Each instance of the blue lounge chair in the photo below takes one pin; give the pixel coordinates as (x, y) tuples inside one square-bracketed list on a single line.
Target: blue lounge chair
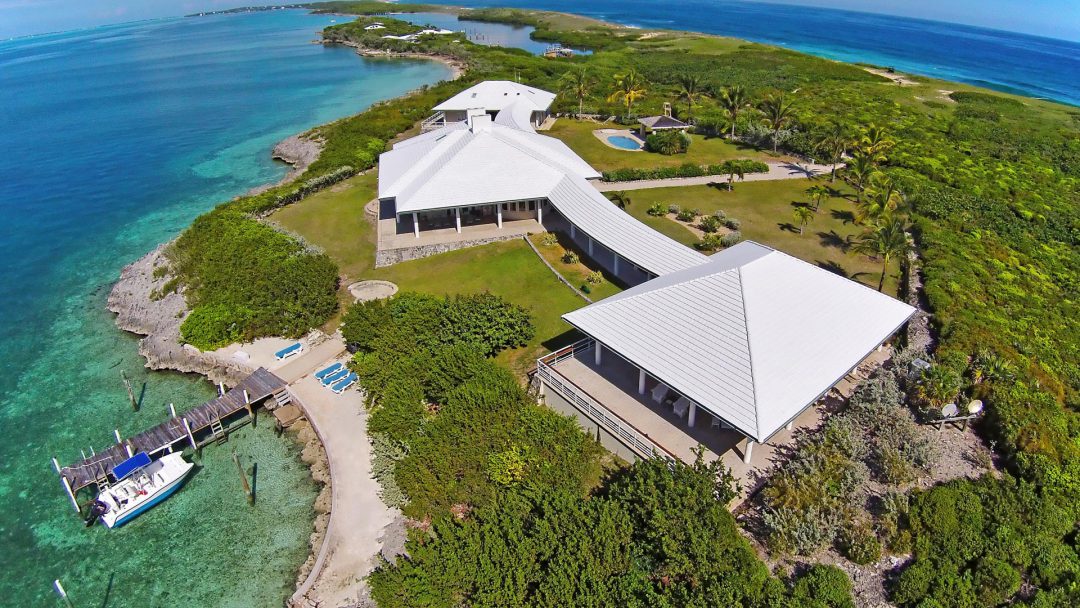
[(334, 377), (340, 386), (289, 351), (322, 373)]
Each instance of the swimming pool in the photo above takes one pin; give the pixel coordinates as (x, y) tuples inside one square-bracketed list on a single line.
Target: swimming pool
[(624, 142)]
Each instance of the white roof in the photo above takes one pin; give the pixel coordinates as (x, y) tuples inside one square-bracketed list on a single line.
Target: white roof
[(458, 165), (753, 335), (517, 115), (494, 95)]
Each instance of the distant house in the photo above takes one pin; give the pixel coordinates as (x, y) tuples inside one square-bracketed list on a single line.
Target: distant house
[(493, 96), (375, 26)]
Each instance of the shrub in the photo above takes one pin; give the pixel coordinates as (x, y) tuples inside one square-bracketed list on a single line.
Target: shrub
[(732, 223), (385, 454), (720, 214), (507, 467), (595, 277), (687, 215), (709, 224), (859, 544), (802, 531), (363, 321), (731, 238), (570, 257), (685, 170), (214, 325), (673, 208), (667, 142), (710, 242), (657, 210), (824, 586), (550, 239)]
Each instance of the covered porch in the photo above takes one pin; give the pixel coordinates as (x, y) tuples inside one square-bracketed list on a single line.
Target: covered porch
[(457, 224), (622, 400)]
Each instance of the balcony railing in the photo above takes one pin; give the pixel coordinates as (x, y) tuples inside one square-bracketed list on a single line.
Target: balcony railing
[(433, 122), (622, 430)]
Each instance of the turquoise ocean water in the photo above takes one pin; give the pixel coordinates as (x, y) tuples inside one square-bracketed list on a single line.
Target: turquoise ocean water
[(115, 138)]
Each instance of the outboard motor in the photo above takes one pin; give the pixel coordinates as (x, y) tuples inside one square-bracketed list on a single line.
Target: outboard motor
[(97, 509)]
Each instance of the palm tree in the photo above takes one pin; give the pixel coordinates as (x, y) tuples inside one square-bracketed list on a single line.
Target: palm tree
[(691, 88), (620, 198), (860, 169), (883, 198), (939, 385), (803, 215), (578, 83), (778, 113), (834, 144), (818, 193), (734, 100), (733, 169), (885, 241), (875, 142), (629, 87)]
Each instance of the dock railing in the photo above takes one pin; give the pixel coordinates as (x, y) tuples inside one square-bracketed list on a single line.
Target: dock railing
[(623, 431)]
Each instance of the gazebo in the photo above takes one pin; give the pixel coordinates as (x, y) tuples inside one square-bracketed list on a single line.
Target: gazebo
[(666, 122)]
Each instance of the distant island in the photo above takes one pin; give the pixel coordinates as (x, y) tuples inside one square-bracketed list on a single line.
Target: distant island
[(940, 467)]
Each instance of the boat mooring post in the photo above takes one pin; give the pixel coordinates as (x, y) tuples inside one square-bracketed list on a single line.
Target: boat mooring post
[(191, 438), (172, 410), (63, 594), (244, 479), (116, 433), (67, 485), (130, 392)]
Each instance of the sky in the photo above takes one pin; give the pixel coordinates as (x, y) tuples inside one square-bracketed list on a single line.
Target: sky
[(1052, 18)]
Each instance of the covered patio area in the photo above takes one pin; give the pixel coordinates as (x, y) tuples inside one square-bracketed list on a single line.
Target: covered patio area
[(457, 224)]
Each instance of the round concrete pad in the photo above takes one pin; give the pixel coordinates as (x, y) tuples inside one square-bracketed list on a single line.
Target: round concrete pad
[(372, 290)]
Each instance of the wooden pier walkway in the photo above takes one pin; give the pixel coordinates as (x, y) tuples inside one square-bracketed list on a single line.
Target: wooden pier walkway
[(206, 419)]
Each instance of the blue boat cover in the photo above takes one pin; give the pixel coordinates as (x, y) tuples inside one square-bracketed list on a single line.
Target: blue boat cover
[(130, 465)]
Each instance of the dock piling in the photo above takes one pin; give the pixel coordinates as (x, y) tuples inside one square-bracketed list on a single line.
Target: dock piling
[(130, 392), (243, 479), (172, 411), (63, 594), (116, 433)]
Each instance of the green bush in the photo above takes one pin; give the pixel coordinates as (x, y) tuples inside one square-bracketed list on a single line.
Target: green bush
[(667, 142), (595, 277), (859, 544), (709, 224), (823, 586), (657, 210), (731, 238), (687, 215), (732, 223), (550, 239), (214, 325), (710, 242), (570, 257), (685, 170)]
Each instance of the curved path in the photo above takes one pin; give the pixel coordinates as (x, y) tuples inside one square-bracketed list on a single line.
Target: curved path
[(785, 170)]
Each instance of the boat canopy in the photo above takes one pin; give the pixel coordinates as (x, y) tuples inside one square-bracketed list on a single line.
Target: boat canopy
[(130, 465)]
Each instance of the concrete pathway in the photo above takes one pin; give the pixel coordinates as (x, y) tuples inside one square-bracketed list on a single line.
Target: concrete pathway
[(358, 516), (784, 170)]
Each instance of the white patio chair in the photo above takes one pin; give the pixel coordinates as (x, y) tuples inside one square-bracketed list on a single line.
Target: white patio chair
[(659, 392), (681, 406)]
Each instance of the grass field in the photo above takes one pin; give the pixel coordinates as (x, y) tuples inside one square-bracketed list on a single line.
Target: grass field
[(765, 209), (334, 221), (579, 136), (575, 273)]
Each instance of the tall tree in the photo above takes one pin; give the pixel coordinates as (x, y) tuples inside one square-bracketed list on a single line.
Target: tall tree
[(833, 144), (885, 241), (691, 89), (875, 142), (629, 87), (818, 193), (882, 200), (778, 113), (860, 170), (578, 83), (733, 169), (734, 100), (803, 215)]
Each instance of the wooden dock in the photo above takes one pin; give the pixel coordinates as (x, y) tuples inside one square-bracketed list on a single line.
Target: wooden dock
[(196, 427)]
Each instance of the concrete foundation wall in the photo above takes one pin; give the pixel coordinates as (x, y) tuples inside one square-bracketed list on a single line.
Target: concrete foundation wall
[(403, 254), (556, 402)]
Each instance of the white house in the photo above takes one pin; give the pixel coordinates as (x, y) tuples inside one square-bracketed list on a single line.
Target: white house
[(493, 96)]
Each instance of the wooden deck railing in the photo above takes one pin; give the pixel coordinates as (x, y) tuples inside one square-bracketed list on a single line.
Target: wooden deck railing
[(626, 433)]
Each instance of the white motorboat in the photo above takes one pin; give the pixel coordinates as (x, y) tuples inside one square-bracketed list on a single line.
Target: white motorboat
[(140, 484)]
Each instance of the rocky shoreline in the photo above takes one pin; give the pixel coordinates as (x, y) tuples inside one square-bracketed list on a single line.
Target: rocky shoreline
[(457, 67), (299, 151)]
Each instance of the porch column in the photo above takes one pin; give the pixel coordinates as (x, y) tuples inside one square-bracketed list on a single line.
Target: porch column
[(540, 213), (692, 416), (640, 381), (790, 425), (616, 262), (457, 219), (416, 224), (597, 350), (498, 214), (748, 451), (590, 246), (540, 393), (573, 231)]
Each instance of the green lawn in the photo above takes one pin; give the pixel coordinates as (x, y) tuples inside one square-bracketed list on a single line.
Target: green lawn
[(765, 209), (703, 151), (575, 273), (334, 220)]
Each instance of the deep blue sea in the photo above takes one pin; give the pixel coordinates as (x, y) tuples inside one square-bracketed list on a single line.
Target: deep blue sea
[(114, 139), (1013, 63)]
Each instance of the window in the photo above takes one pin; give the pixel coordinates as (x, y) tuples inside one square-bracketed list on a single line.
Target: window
[(532, 205), (505, 206)]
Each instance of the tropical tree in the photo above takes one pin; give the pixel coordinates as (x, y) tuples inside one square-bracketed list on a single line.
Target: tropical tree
[(629, 87), (885, 242), (778, 113), (883, 199), (818, 193), (803, 215), (734, 100), (937, 386), (833, 144), (620, 197), (875, 142), (734, 169), (578, 83), (860, 169), (691, 89)]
